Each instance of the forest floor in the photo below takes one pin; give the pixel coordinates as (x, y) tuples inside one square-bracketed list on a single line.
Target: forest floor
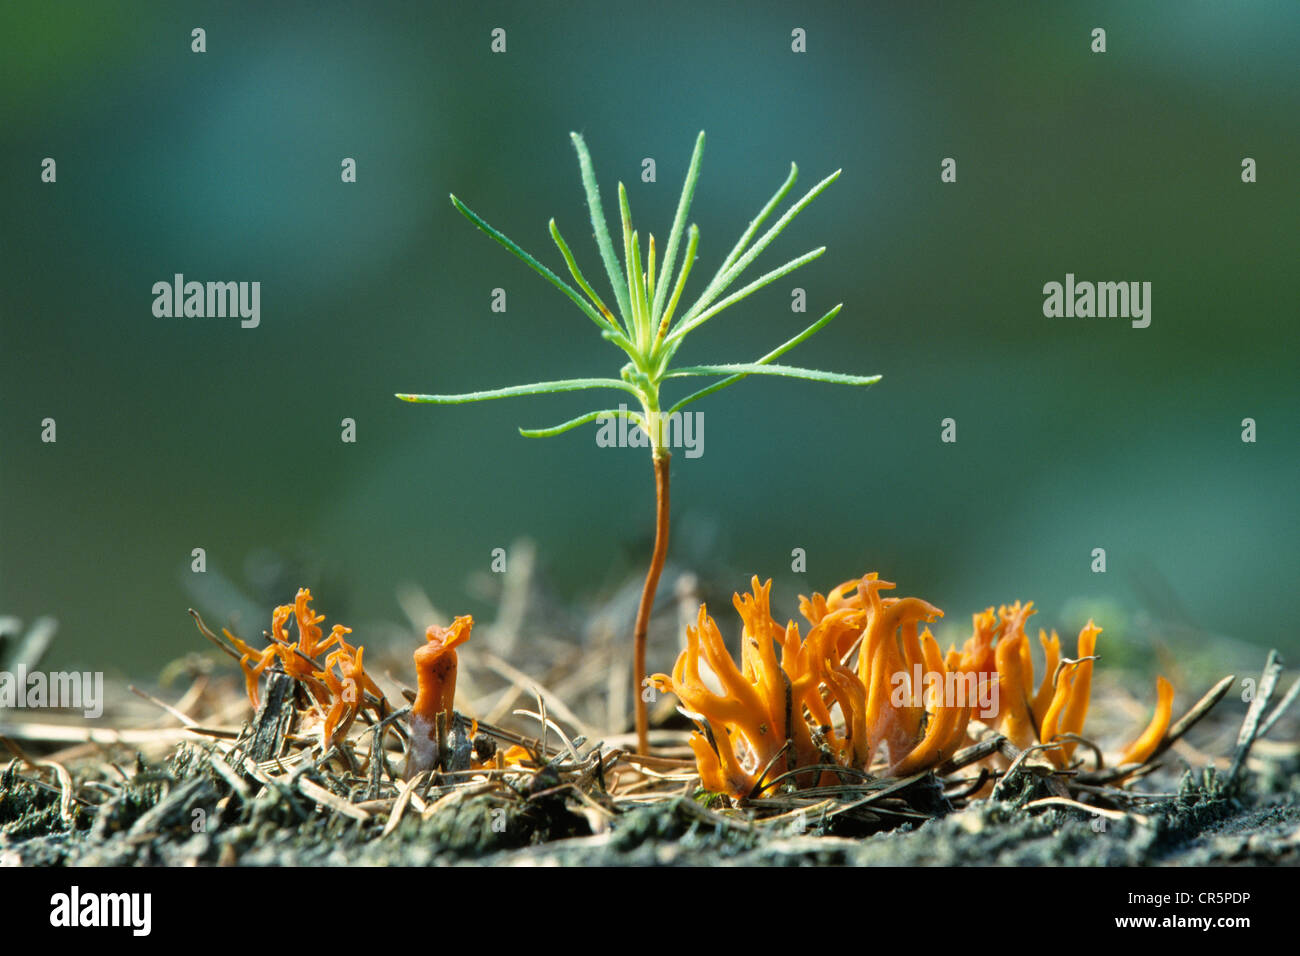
[(194, 776)]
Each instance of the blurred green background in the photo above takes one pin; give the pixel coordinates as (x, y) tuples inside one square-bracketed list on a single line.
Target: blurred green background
[(1072, 434)]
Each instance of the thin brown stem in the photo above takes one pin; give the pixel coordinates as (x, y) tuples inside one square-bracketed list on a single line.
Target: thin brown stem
[(661, 459)]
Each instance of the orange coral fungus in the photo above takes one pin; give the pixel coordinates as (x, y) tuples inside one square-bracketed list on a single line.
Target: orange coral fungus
[(340, 697), (864, 677), (253, 671), (348, 690), (1069, 706), (435, 668), (297, 659), (746, 722), (1140, 750), (1016, 672), (762, 713), (889, 665), (948, 718)]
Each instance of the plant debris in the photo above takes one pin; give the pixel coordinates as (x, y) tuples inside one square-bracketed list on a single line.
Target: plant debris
[(305, 781)]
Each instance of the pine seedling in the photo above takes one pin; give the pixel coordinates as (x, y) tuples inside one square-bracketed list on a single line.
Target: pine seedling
[(646, 326)]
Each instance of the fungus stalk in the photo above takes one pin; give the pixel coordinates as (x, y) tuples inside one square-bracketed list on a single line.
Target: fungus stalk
[(431, 714)]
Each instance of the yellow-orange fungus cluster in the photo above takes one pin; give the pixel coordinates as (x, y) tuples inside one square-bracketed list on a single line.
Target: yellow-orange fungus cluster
[(338, 688), (870, 673)]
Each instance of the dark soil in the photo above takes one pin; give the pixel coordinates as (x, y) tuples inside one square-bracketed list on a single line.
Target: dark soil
[(183, 813)]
